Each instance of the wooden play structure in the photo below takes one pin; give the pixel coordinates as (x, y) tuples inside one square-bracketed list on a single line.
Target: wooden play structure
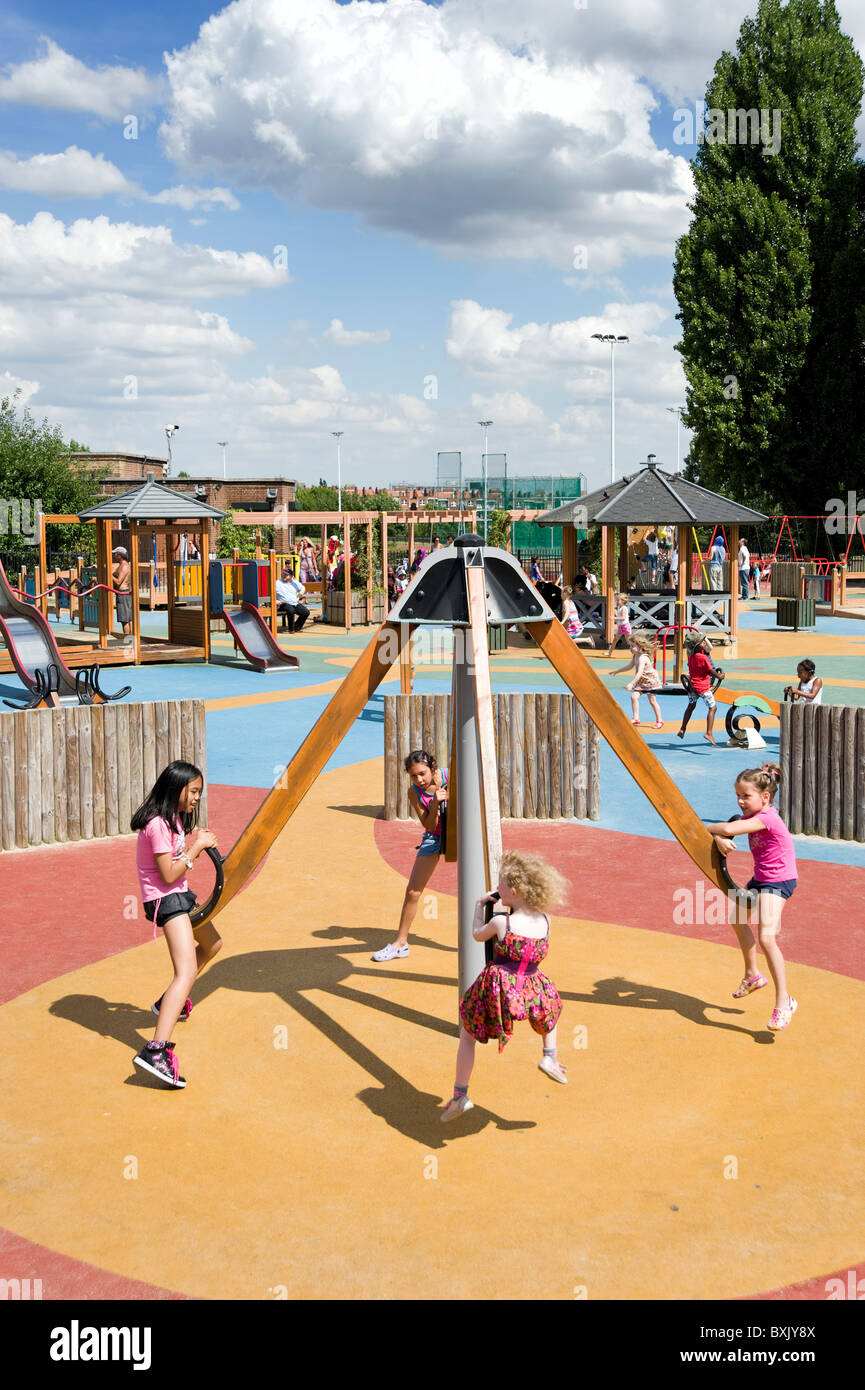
[(623, 510), (463, 587)]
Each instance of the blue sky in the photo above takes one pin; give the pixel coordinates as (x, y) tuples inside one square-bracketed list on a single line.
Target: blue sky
[(392, 219)]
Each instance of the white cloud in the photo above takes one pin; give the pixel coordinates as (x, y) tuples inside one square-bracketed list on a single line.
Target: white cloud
[(353, 337), (483, 341), (58, 81), (509, 408), (424, 123), (187, 197), (9, 384), (45, 257), (73, 174)]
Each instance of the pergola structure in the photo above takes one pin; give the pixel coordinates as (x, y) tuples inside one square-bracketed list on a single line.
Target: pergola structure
[(646, 498), (153, 509)]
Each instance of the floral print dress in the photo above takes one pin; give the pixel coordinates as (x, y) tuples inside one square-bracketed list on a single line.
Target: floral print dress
[(512, 988)]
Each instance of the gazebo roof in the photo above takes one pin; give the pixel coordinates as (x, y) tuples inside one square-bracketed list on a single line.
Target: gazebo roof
[(649, 496), (152, 501)]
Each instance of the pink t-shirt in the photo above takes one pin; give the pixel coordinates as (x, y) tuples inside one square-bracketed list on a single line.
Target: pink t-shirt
[(157, 837), (773, 849)]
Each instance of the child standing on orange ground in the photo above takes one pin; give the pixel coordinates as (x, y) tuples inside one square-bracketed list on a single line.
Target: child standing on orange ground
[(646, 679), (774, 881), (511, 987), (163, 821), (427, 797)]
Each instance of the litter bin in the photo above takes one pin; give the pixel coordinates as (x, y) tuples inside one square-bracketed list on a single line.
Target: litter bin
[(498, 637), (795, 612)]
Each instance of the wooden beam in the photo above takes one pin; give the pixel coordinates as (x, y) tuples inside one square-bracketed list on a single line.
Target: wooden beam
[(631, 749), (369, 571), (489, 776), (346, 568), (133, 584), (42, 577), (325, 736), (683, 588), (734, 583), (204, 548)]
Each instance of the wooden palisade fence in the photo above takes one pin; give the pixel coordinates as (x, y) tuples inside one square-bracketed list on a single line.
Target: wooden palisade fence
[(822, 762), (548, 753), (78, 773)]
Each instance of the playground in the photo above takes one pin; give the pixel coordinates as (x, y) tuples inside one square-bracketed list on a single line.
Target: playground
[(693, 1155)]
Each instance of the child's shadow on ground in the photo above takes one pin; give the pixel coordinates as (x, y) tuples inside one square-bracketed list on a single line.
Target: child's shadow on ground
[(291, 974), (627, 994)]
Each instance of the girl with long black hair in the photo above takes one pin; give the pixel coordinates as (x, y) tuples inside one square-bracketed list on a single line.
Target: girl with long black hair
[(163, 822)]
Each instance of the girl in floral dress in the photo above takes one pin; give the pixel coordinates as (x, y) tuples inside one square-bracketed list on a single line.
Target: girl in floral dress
[(511, 987)]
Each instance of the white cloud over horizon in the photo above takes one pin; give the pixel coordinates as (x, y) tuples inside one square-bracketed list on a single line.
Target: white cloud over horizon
[(56, 80)]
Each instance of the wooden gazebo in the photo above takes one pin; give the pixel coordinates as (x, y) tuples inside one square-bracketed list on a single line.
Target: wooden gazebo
[(154, 509), (646, 498)]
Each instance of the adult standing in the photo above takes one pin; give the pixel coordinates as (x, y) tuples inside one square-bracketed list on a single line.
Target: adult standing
[(123, 597), (717, 556), (288, 595), (744, 571)]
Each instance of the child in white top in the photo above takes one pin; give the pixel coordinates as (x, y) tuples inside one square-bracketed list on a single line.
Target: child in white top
[(810, 687), (623, 623)]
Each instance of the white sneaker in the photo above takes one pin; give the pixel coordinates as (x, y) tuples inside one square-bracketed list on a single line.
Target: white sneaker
[(391, 952)]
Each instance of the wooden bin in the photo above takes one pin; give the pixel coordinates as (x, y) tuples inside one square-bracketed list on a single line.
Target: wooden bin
[(795, 612)]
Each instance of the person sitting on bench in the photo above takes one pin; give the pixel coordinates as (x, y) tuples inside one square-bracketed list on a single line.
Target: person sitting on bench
[(288, 592)]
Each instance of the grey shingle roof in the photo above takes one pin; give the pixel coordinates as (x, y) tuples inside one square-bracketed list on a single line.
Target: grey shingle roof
[(152, 501), (648, 496)]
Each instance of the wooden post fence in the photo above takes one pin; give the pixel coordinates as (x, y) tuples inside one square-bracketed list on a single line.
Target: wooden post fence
[(548, 753), (822, 760), (78, 773)]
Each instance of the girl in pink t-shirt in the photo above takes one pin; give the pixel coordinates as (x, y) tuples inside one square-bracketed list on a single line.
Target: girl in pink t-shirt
[(774, 881), (162, 859)]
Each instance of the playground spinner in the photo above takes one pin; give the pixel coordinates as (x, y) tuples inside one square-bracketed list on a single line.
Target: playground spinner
[(465, 587)]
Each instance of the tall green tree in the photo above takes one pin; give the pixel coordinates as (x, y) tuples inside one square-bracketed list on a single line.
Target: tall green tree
[(36, 472), (769, 278)]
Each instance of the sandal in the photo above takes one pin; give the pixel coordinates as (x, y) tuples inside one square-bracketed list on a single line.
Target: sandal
[(748, 986), (553, 1069), (635, 722), (455, 1108), (659, 725), (781, 1017)]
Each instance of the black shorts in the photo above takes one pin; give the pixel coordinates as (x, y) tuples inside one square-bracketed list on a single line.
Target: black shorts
[(161, 910), (782, 888)]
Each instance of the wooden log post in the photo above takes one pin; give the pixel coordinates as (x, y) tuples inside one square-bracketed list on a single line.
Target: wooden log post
[(204, 548), (848, 826), (391, 759), (734, 587), (607, 588), (346, 569), (42, 574)]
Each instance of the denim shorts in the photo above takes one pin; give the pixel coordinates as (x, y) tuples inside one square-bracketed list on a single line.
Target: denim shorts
[(783, 888), (430, 844), (161, 910)]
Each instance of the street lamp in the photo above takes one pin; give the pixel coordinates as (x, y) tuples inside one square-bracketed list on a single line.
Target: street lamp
[(223, 445), (677, 411), (485, 424), (169, 431), (337, 434), (613, 341)]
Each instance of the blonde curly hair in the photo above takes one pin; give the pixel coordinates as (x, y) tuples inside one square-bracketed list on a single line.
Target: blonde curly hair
[(539, 885)]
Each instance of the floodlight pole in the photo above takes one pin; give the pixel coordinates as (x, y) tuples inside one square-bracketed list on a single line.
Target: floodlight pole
[(485, 424)]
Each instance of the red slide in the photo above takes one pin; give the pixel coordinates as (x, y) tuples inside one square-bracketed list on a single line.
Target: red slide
[(255, 639)]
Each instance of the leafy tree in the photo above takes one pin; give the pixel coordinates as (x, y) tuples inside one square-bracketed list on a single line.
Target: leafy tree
[(35, 468), (769, 278), (500, 530)]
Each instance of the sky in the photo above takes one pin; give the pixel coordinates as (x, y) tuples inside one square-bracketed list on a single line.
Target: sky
[(274, 220)]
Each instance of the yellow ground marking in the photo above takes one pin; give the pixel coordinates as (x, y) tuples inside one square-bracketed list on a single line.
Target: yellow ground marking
[(319, 1167), (274, 697)]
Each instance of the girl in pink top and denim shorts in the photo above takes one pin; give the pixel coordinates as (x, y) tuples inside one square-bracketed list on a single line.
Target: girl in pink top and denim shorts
[(774, 881)]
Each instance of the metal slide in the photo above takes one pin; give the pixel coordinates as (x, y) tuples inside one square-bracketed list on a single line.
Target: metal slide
[(31, 642), (255, 639)]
